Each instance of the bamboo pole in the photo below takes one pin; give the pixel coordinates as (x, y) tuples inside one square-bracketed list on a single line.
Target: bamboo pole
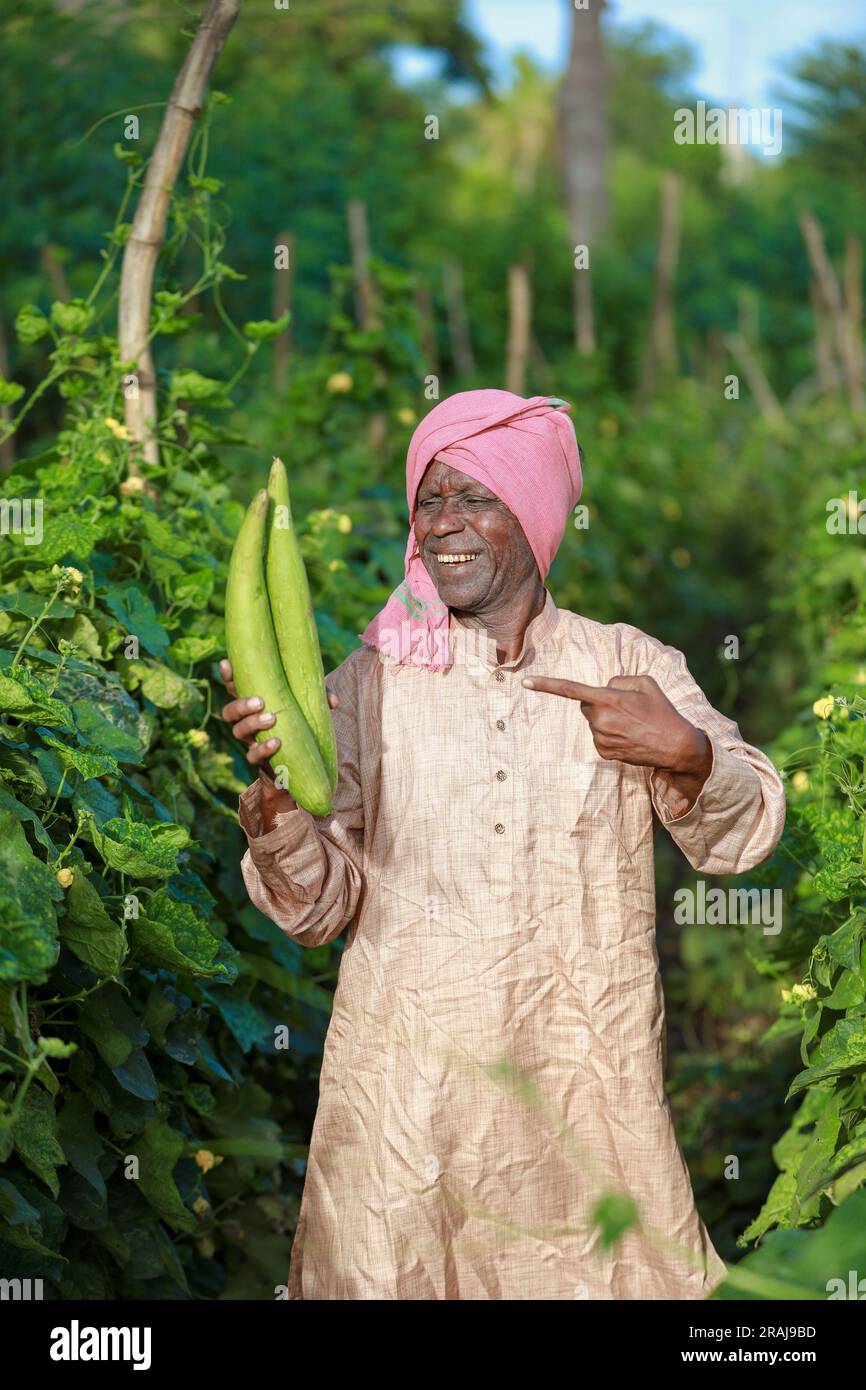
[(519, 328), (825, 364), (756, 379), (148, 226), (359, 246), (458, 319), (853, 284), (660, 355), (849, 357), (283, 287), (425, 314)]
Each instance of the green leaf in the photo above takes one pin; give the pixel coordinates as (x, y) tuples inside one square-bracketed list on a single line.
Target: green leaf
[(164, 687), (10, 391), (841, 1049), (72, 315), (192, 386), (24, 813), (614, 1214), (192, 589), (29, 943), (87, 930), (171, 935), (31, 324), (158, 1150), (67, 536), (135, 611), (31, 605), (261, 329), (142, 851), (188, 650), (777, 1207), (35, 1134), (13, 1207), (24, 696), (113, 1028), (88, 764)]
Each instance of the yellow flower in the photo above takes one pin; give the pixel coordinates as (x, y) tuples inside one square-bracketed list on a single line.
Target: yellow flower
[(205, 1160), (406, 415), (670, 508), (117, 429), (681, 557), (132, 485), (824, 707), (800, 993), (65, 877), (200, 1206), (198, 738), (800, 781), (75, 575), (344, 524), (786, 995), (334, 565), (340, 382), (860, 676)]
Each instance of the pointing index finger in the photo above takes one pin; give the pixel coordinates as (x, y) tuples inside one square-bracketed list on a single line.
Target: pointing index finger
[(573, 690)]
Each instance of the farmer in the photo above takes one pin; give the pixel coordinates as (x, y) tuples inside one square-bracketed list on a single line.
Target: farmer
[(494, 1065)]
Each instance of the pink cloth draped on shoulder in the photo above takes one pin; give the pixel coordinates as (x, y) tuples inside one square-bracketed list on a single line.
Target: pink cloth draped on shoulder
[(525, 451)]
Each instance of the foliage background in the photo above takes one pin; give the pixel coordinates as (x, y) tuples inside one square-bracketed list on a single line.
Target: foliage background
[(154, 1035)]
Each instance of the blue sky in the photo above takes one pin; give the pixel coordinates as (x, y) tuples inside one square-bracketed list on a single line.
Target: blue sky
[(741, 45)]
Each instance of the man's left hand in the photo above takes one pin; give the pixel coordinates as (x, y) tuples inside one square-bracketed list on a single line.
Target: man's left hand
[(633, 721)]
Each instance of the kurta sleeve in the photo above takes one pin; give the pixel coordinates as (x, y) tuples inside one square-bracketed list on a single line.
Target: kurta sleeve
[(739, 814), (306, 873)]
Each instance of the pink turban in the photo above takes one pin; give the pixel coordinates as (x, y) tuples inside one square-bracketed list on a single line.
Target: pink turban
[(524, 451)]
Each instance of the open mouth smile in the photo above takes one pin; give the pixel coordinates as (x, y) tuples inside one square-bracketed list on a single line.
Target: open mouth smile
[(461, 558)]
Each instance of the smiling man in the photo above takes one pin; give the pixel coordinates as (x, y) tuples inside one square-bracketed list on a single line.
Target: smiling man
[(494, 1064)]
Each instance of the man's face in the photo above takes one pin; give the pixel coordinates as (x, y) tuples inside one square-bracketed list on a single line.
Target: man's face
[(455, 515)]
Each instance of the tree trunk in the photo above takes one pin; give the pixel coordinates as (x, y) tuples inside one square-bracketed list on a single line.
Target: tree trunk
[(148, 227), (426, 317), (850, 354), (519, 328), (755, 378), (359, 246), (282, 301), (825, 366), (660, 355), (583, 134), (458, 319), (853, 281)]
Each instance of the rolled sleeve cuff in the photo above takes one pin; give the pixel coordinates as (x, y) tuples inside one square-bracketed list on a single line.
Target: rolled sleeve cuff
[(723, 787), (288, 834)]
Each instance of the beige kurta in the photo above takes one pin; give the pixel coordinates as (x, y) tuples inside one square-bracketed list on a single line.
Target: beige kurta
[(494, 1063)]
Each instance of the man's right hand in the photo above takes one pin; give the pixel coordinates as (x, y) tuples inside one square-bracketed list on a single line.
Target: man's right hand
[(247, 717)]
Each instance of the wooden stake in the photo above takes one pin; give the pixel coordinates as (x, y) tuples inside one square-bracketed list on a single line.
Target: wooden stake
[(359, 247), (458, 320), (825, 366), (148, 226), (849, 354), (853, 282), (755, 378), (519, 328), (660, 356), (282, 300), (426, 317)]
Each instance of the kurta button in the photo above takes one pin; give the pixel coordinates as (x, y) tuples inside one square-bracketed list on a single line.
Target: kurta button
[(501, 776), (500, 723), (499, 828)]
